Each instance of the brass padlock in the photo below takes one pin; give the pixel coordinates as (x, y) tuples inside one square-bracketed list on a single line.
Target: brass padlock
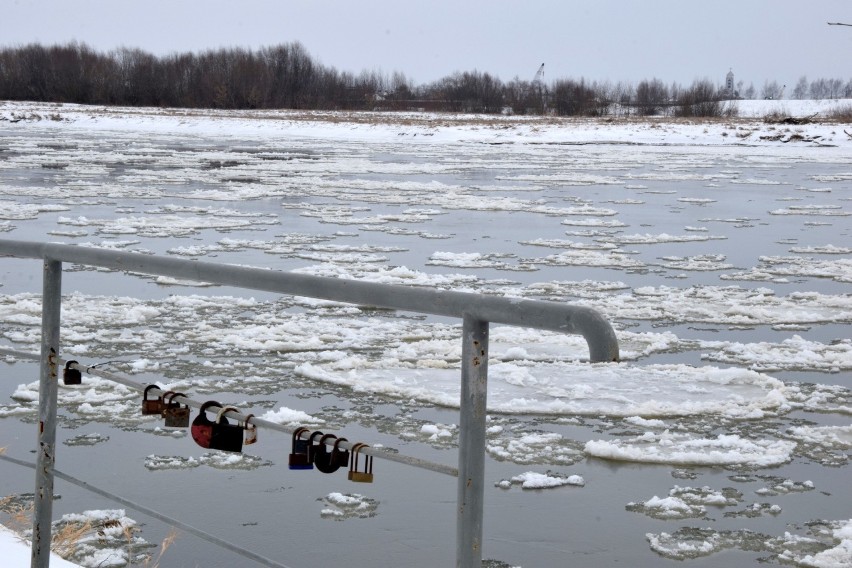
[(152, 406), (71, 376), (202, 427), (299, 451), (322, 457), (251, 431), (176, 415), (365, 476), (226, 436)]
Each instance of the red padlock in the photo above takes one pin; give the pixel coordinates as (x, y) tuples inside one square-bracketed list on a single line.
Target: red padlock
[(202, 427)]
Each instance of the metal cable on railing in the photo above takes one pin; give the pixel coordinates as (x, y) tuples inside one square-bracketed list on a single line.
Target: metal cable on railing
[(371, 451), (154, 514)]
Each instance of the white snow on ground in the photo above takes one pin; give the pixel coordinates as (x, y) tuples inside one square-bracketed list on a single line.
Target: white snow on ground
[(15, 551), (440, 128)]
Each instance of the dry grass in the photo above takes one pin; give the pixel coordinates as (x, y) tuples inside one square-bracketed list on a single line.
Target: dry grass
[(67, 536), (164, 546), (841, 113), (65, 540), (19, 517)]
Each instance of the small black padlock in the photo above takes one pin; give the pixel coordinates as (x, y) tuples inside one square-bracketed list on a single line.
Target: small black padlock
[(299, 451), (150, 406), (312, 448), (339, 457), (322, 457), (71, 376), (202, 427), (226, 436), (176, 415)]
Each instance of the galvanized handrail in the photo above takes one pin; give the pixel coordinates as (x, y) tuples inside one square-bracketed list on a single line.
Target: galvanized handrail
[(565, 318), (476, 312)]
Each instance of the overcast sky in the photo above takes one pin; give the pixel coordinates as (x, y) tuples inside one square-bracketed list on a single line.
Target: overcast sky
[(616, 40)]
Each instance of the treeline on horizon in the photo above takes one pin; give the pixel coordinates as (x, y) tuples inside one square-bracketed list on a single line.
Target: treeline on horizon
[(285, 76)]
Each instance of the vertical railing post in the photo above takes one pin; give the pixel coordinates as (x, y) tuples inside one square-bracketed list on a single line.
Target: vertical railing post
[(471, 488), (47, 394)]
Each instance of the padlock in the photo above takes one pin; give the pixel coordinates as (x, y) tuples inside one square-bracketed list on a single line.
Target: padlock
[(322, 457), (339, 457), (71, 376), (251, 431), (365, 476), (299, 451), (226, 436), (150, 406), (312, 448), (202, 427), (176, 415)]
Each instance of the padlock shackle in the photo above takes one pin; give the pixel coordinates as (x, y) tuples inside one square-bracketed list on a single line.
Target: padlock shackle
[(223, 410), (353, 462), (313, 435), (326, 437), (149, 387), (208, 404), (298, 433), (170, 395), (337, 453)]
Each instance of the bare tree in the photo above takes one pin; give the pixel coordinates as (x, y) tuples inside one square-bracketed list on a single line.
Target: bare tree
[(651, 97), (800, 91)]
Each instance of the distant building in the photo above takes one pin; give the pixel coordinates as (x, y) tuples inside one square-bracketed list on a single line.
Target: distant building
[(729, 85)]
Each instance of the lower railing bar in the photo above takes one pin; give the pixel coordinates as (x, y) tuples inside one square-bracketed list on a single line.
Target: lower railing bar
[(153, 514), (259, 422)]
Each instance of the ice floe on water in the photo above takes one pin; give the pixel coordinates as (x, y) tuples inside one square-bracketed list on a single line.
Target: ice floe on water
[(791, 354), (784, 267), (683, 449), (686, 503), (827, 545), (575, 388), (215, 459), (342, 506), (534, 480)]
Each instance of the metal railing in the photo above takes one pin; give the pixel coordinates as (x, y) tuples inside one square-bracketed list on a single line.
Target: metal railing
[(476, 312)]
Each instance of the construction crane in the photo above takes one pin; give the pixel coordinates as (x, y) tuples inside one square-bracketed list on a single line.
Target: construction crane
[(537, 91), (539, 75)]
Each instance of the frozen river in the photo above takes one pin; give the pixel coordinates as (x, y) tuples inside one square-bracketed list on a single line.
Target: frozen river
[(723, 258)]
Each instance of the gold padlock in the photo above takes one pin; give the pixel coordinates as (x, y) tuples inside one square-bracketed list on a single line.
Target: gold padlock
[(365, 476)]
